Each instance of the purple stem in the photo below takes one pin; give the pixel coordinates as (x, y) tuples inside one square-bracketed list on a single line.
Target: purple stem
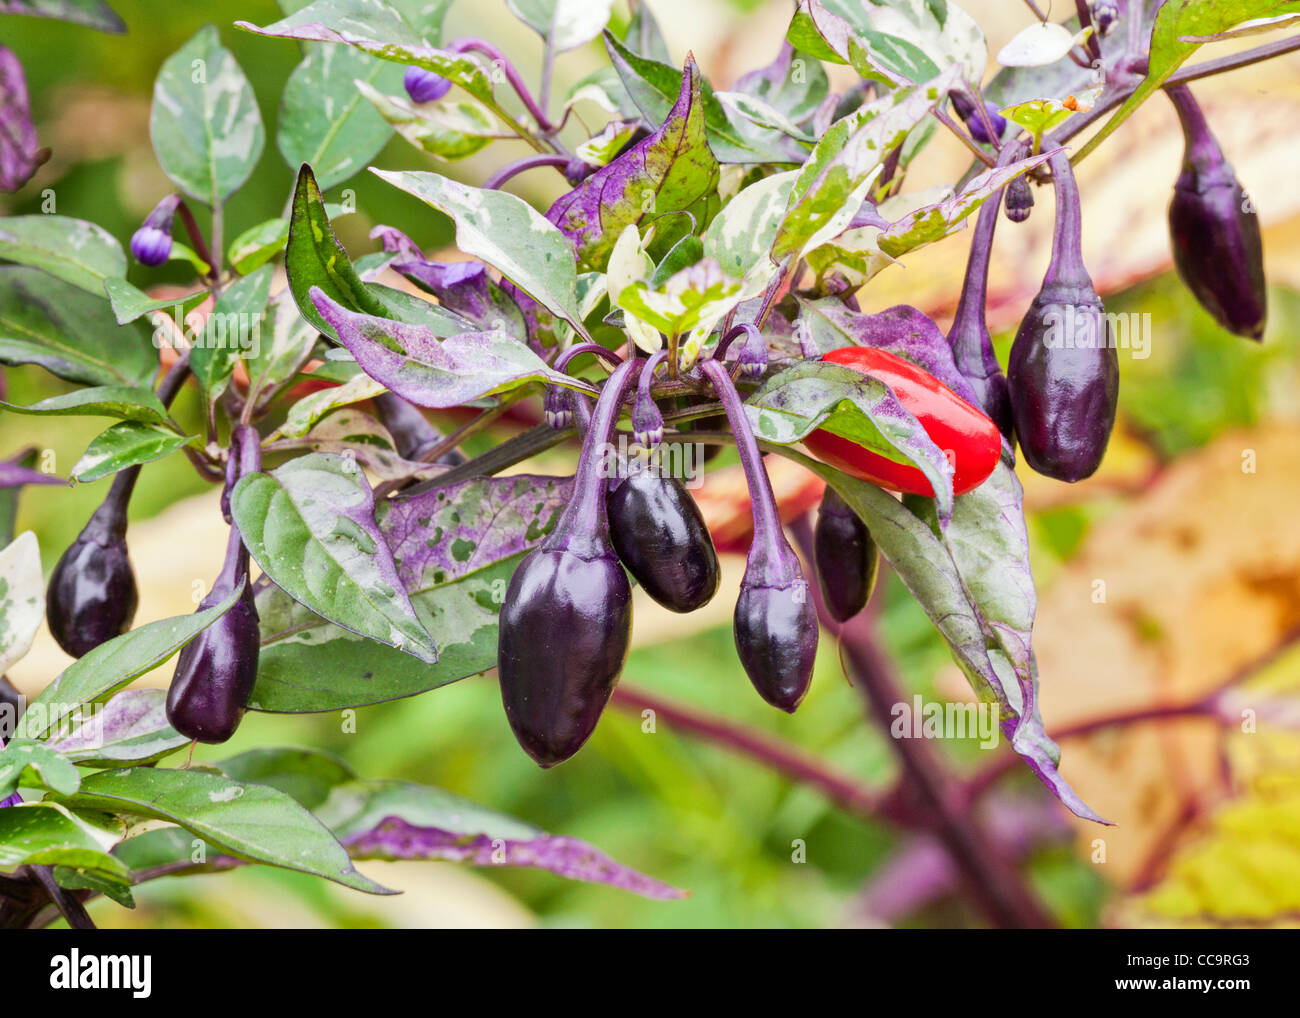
[(1202, 149), (511, 73), (584, 516), (744, 328), (605, 354), (648, 373), (527, 163), (770, 548), (1067, 247)]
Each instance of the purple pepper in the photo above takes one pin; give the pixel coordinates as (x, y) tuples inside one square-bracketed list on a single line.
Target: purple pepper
[(152, 243), (846, 556), (92, 597), (972, 347), (1215, 232), (775, 623), (424, 86), (215, 671), (411, 431), (566, 622), (1064, 369)]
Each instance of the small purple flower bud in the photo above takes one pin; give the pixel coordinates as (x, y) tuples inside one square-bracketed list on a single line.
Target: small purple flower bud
[(557, 408), (152, 243), (647, 421), (1104, 14), (1020, 200), (974, 122), (150, 246), (425, 86), (753, 354)]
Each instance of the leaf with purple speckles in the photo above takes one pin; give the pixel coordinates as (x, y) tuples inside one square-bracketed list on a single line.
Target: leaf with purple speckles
[(466, 289), (19, 155), (817, 395), (403, 820), (672, 170), (430, 372), (443, 534)]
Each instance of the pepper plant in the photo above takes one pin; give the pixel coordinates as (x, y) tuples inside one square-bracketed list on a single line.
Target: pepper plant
[(696, 283)]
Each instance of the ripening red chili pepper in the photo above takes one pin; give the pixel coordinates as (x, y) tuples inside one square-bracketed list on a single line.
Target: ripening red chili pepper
[(968, 437)]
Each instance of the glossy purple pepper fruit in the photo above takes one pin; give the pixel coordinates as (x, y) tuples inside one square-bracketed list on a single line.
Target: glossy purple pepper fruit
[(846, 556), (216, 671), (775, 622), (1064, 369), (1214, 229), (92, 597), (566, 622)]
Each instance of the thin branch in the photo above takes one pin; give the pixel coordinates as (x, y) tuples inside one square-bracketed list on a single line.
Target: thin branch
[(68, 904), (782, 757)]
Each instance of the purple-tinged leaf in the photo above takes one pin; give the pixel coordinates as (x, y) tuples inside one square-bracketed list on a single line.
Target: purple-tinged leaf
[(403, 820), (901, 330), (973, 605), (19, 155), (89, 13), (797, 95), (131, 728), (440, 535), (466, 289), (429, 372), (672, 170), (311, 526), (14, 475)]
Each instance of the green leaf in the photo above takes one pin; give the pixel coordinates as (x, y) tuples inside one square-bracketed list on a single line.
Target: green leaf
[(505, 232), (314, 257), (310, 525), (22, 599), (252, 822), (449, 129), (67, 331), (308, 411), (655, 86), (89, 13), (205, 125), (324, 121), (112, 665), (35, 765), (76, 251), (286, 345), (49, 834), (306, 774), (307, 665), (742, 233), (126, 445), (131, 728), (235, 326), (567, 23), (833, 183), (845, 33), (1177, 21), (93, 880), (130, 403), (130, 303)]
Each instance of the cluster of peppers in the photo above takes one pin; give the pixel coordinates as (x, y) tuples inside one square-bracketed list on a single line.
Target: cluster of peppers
[(565, 625)]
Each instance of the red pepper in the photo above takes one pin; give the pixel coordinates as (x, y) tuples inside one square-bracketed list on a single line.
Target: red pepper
[(968, 437)]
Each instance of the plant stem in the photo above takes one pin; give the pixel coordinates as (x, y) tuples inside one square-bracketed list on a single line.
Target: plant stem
[(519, 166), (512, 75), (780, 756), (1085, 21), (216, 260), (197, 238), (993, 884), (68, 904), (963, 136), (548, 72)]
